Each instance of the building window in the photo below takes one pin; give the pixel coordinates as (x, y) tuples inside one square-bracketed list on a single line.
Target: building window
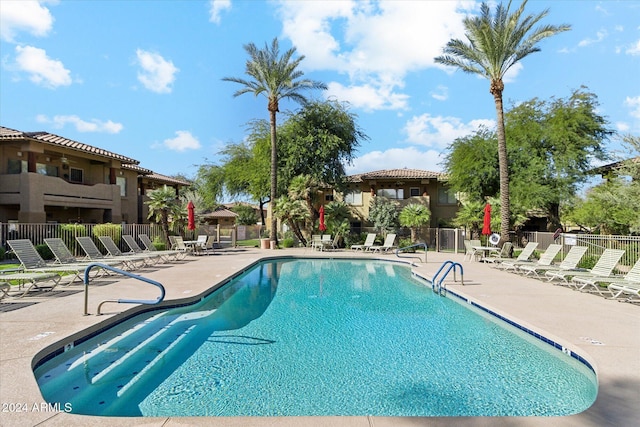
[(44, 169), (414, 191), (391, 193), (328, 197), (16, 166), (353, 197), (76, 175), (121, 181), (446, 196)]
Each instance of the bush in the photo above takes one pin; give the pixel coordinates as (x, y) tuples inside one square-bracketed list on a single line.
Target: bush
[(2, 252), (159, 244), (403, 243), (588, 261), (112, 230), (68, 234), (288, 242), (45, 252)]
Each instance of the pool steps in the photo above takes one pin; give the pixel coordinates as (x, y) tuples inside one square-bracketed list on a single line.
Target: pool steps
[(437, 282)]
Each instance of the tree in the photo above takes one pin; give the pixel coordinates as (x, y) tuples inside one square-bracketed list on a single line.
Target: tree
[(414, 216), (549, 148), (293, 212), (495, 44), (246, 215), (383, 214), (277, 78), (318, 140), (161, 203), (209, 185)]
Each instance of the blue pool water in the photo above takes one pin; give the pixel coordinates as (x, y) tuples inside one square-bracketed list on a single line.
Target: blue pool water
[(318, 337)]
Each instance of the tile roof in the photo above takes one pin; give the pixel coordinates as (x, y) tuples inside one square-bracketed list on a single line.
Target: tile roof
[(395, 174), (221, 213), (49, 138)]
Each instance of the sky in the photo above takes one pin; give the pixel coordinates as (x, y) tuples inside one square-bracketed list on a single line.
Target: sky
[(144, 78)]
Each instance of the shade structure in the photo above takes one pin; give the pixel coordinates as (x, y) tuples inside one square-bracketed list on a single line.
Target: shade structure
[(191, 224), (322, 225), (486, 227)]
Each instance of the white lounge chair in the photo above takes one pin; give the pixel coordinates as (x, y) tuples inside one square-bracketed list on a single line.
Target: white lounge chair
[(369, 241), (546, 259), (616, 286), (569, 263), (526, 253), (603, 268), (386, 246), (168, 254)]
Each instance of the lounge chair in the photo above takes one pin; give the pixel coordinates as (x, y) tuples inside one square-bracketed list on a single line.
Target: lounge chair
[(94, 254), (169, 253), (65, 257), (569, 263), (620, 284), (30, 279), (526, 253), (504, 254), (316, 242), (603, 268), (546, 259), (629, 292), (180, 245), (369, 241), (130, 258), (32, 262), (386, 246), (136, 249)]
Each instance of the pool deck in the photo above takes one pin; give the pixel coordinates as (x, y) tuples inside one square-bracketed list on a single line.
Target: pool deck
[(605, 332)]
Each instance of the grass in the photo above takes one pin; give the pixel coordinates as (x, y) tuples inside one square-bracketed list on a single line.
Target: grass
[(254, 243)]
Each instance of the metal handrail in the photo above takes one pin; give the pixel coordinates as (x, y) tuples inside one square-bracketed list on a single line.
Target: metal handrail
[(436, 285), (119, 301), (424, 245)]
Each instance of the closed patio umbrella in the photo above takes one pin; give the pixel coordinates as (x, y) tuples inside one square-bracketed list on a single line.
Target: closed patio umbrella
[(191, 224), (322, 225), (486, 227)]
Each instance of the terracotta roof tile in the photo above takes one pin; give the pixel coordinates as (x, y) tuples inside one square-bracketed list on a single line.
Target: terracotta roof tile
[(395, 174)]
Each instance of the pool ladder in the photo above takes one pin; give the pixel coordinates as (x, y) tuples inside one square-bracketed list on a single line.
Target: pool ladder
[(119, 301), (437, 282)]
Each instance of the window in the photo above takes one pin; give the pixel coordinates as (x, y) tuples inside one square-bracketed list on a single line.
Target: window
[(391, 193), (446, 196), (414, 191), (76, 175), (121, 181), (16, 166), (44, 169), (328, 197), (353, 197)]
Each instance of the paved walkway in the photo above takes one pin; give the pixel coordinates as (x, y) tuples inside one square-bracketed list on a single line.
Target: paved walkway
[(607, 333)]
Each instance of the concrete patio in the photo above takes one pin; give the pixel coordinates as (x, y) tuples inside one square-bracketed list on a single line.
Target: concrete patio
[(605, 332)]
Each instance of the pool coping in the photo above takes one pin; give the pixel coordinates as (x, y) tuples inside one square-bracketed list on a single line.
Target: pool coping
[(616, 407)]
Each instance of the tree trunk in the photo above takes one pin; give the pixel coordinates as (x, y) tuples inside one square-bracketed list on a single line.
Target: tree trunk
[(496, 89), (273, 235)]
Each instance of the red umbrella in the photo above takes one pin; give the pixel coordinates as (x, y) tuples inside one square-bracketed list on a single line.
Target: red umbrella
[(322, 225), (191, 225), (486, 227)]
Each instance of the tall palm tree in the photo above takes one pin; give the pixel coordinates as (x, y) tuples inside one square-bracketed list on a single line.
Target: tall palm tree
[(496, 43), (276, 77), (162, 202)]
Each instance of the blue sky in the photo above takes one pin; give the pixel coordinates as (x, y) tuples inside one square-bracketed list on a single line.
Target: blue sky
[(144, 78)]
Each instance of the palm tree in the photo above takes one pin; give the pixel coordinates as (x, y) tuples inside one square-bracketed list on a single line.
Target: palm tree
[(277, 78), (495, 44), (414, 216), (293, 212), (162, 202)]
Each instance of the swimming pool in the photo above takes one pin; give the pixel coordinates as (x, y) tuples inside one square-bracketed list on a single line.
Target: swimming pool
[(317, 337)]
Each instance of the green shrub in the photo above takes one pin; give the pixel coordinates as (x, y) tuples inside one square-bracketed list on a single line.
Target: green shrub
[(68, 234), (403, 243), (45, 252), (288, 242), (588, 261), (159, 244), (2, 252), (111, 230)]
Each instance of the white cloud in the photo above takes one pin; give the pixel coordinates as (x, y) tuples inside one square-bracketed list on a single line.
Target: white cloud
[(182, 142), (622, 127), (441, 131), (42, 70), (441, 93), (29, 16), (634, 49), (216, 7), (94, 125), (368, 96), (600, 35), (375, 43), (157, 73), (634, 106), (397, 158)]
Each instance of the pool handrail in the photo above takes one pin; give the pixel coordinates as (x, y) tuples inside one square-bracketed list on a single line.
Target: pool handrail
[(424, 245), (436, 285), (119, 301)]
